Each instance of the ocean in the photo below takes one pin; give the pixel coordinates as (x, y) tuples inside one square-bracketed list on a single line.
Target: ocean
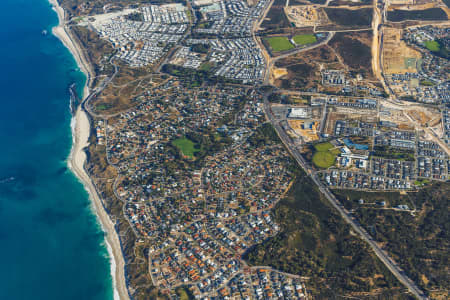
[(51, 246)]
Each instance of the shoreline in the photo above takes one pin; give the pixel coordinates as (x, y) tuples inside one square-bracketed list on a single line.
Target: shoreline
[(61, 33), (80, 125)]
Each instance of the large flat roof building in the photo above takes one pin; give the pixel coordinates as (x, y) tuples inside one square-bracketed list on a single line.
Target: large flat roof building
[(299, 112)]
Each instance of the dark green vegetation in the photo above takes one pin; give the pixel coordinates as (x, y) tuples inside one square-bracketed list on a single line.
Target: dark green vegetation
[(197, 147), (324, 159), (314, 241), (92, 7), (438, 48), (432, 46), (419, 242), (263, 135), (103, 106), (206, 142), (194, 78), (186, 146), (97, 48), (422, 182), (350, 2), (206, 66), (355, 53), (323, 146), (324, 156), (393, 153), (421, 15), (301, 73), (279, 43), (305, 39), (302, 2), (200, 48), (425, 82), (304, 68), (184, 293), (135, 17), (279, 2), (347, 17), (275, 19), (301, 70), (447, 2)]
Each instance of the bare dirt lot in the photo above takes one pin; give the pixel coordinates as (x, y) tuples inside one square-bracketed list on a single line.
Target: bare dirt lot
[(309, 132), (279, 72), (306, 15), (397, 56)]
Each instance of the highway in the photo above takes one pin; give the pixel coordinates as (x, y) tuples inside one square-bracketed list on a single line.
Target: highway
[(382, 255)]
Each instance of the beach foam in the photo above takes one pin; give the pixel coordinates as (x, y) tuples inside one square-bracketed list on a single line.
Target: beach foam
[(80, 126)]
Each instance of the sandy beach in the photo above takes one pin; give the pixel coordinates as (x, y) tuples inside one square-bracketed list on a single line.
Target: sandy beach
[(63, 35), (81, 130), (77, 159)]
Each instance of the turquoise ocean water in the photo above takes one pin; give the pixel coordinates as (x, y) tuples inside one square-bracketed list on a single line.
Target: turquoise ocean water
[(51, 246)]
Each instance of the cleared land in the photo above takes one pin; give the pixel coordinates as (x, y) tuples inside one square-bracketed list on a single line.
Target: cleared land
[(279, 72), (305, 39), (186, 146), (280, 43), (306, 15), (393, 49), (309, 134)]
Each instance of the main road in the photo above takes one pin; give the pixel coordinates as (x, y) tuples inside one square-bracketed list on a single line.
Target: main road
[(382, 255)]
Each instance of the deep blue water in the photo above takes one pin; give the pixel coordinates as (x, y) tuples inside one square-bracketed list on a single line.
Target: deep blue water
[(51, 246)]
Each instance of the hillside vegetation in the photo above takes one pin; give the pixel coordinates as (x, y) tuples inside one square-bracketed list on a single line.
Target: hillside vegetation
[(314, 241), (419, 242)]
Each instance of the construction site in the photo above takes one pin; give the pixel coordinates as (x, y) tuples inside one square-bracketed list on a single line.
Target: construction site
[(306, 15), (398, 58), (307, 129)]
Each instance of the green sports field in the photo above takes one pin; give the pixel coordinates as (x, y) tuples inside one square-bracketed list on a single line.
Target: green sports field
[(186, 146), (323, 146), (305, 39), (280, 43), (325, 156), (323, 159), (432, 46)]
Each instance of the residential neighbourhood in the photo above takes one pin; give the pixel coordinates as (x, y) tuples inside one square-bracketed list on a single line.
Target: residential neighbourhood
[(220, 106), (200, 221)]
